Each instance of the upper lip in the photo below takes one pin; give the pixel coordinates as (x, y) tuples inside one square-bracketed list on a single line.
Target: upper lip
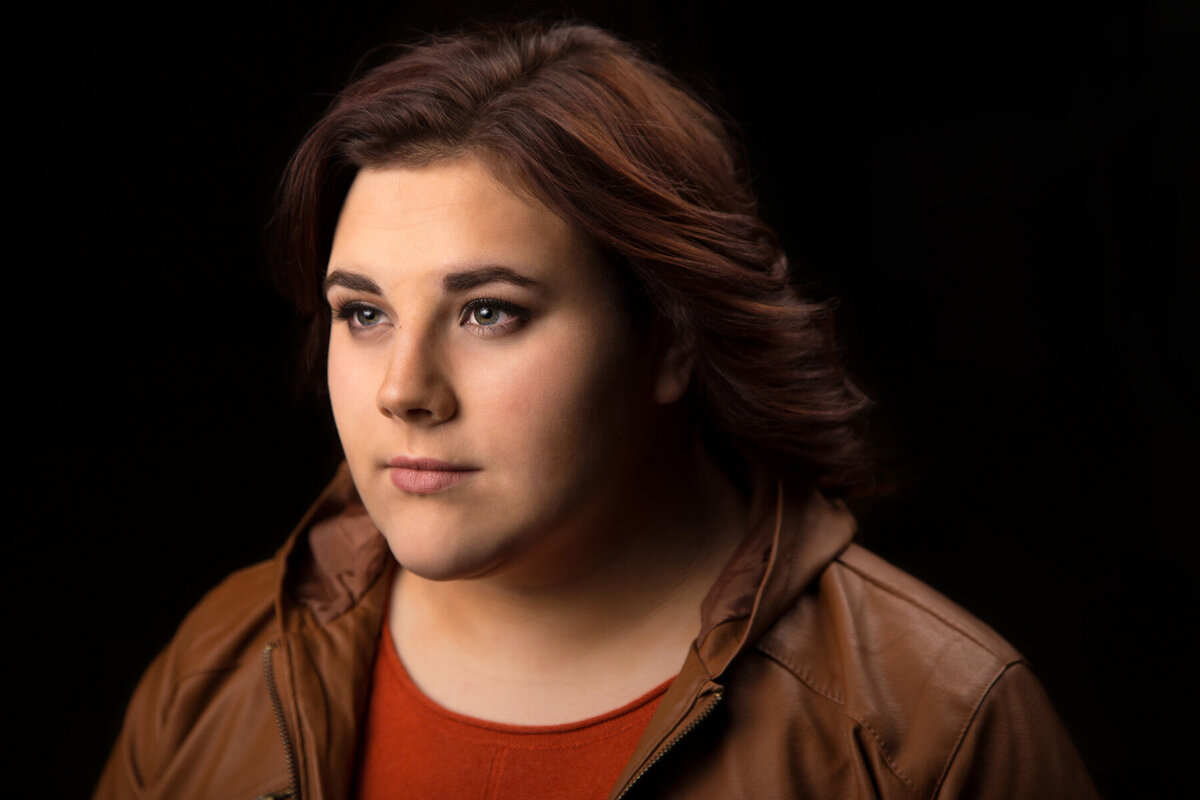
[(430, 464)]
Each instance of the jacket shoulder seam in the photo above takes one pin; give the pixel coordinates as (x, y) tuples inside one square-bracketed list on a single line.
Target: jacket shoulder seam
[(1005, 659), (966, 726), (803, 676), (828, 694)]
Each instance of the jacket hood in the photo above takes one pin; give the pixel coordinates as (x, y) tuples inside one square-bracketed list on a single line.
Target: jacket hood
[(793, 537), (334, 555)]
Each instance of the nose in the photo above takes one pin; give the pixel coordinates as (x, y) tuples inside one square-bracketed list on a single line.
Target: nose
[(415, 388)]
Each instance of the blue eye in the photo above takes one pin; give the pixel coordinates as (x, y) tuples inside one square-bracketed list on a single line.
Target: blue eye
[(359, 315), (365, 316), (486, 315), (490, 316)]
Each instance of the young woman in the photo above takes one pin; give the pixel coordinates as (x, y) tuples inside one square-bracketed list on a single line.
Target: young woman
[(587, 541)]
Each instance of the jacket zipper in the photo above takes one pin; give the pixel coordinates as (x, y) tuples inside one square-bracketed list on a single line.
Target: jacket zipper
[(289, 753), (714, 700)]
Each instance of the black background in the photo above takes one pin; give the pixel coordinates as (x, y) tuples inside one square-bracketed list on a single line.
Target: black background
[(1002, 198)]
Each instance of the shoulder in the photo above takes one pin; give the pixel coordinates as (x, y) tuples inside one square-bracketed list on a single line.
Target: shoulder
[(919, 684), (201, 693), (220, 638), (867, 628), (228, 622)]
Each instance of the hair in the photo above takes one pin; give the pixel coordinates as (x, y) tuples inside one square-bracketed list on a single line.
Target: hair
[(619, 148)]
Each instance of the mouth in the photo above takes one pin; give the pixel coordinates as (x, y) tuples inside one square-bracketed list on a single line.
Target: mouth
[(426, 475)]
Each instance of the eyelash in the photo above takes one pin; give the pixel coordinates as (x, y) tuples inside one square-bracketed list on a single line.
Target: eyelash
[(348, 311)]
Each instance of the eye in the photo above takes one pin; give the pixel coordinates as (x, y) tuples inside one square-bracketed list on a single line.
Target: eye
[(366, 316), (489, 316), (359, 315)]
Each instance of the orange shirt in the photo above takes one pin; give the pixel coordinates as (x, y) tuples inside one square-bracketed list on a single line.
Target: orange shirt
[(414, 748)]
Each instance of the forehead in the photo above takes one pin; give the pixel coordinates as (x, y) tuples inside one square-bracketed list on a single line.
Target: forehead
[(447, 213)]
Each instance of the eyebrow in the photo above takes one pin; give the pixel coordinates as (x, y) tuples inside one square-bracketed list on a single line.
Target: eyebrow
[(469, 279), (454, 282), (351, 280)]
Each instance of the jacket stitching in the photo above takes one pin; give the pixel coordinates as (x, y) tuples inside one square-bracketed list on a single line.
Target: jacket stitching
[(892, 590), (887, 756), (962, 733), (803, 676)]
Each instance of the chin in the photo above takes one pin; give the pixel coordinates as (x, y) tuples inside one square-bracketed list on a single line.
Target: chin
[(437, 558), (441, 571)]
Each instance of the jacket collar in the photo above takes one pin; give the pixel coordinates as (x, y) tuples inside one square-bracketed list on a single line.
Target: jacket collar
[(793, 537), (331, 559)]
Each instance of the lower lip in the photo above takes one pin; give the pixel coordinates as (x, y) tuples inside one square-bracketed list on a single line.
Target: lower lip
[(425, 481)]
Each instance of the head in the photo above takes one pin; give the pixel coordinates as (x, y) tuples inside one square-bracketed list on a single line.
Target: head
[(579, 122)]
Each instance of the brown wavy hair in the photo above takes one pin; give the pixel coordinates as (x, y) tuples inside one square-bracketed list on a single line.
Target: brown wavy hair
[(617, 146)]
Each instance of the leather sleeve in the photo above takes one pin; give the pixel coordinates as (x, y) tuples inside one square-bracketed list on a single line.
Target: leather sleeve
[(1016, 747), (123, 776)]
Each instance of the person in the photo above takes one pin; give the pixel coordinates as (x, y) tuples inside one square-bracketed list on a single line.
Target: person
[(590, 537)]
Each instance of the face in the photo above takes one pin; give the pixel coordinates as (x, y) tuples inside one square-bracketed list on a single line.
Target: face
[(492, 400)]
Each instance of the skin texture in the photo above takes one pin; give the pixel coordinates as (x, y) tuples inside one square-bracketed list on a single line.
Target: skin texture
[(572, 543)]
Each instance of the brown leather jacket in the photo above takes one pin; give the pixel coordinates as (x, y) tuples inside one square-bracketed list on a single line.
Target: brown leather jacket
[(820, 672)]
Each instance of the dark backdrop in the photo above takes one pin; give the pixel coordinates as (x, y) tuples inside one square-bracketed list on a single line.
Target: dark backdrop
[(997, 197)]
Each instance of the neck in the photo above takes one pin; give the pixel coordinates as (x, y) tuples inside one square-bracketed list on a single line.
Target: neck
[(605, 613)]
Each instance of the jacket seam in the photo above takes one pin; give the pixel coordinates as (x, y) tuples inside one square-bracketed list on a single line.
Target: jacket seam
[(966, 726), (895, 592), (887, 756), (176, 685), (801, 675)]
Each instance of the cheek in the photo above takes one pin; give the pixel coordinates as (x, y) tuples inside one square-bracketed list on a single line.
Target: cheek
[(566, 404), (351, 395)]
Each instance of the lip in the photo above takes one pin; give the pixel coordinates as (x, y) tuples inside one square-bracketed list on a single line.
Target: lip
[(425, 475)]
